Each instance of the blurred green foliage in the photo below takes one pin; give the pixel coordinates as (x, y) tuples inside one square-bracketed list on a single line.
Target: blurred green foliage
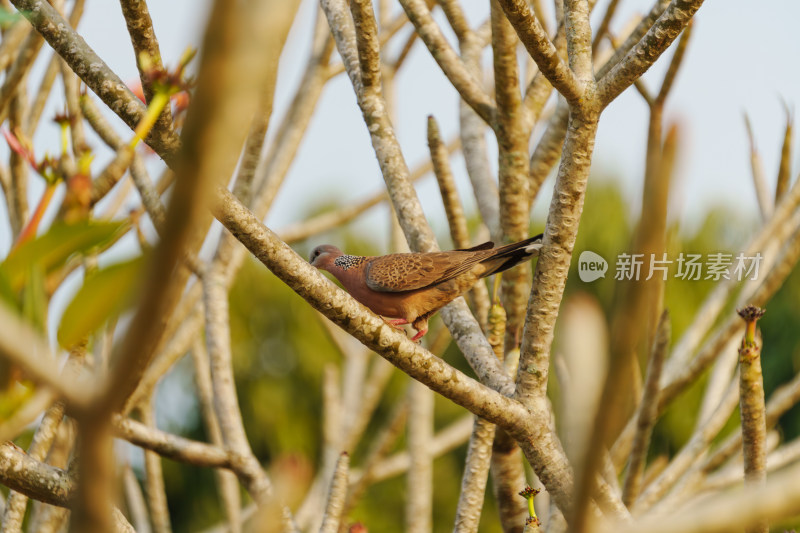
[(25, 287)]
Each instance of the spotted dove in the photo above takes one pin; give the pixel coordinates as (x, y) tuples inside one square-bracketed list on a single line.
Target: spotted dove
[(410, 288)]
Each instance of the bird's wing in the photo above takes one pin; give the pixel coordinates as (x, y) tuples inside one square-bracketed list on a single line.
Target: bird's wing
[(407, 272)]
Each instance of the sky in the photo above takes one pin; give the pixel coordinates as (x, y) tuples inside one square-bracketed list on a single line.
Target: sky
[(741, 59)]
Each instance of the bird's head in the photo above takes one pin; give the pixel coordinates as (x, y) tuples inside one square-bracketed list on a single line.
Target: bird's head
[(323, 256)]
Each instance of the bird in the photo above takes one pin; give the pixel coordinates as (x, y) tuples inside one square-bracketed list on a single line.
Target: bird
[(409, 288)]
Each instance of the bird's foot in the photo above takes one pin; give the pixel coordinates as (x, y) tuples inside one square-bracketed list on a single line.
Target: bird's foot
[(419, 335), (396, 323)]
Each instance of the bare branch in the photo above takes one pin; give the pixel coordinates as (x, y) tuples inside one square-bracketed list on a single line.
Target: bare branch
[(473, 481), (452, 66), (36, 480), (634, 37), (548, 150), (171, 446), (785, 167), (554, 258), (699, 442), (370, 330), (147, 192), (42, 440), (92, 70), (727, 511), (473, 141), (72, 98), (302, 230), (447, 187), (12, 39), (135, 500), (455, 212), (579, 39), (143, 39), (419, 480), (154, 477), (512, 134), (226, 402), (226, 481), (674, 65), (462, 325), (25, 55), (17, 202), (457, 19), (647, 411), (445, 440), (642, 56), (604, 24), (274, 167), (508, 475), (781, 400), (46, 85), (336, 496), (540, 48)]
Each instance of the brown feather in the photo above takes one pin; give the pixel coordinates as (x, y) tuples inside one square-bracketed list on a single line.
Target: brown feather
[(414, 286)]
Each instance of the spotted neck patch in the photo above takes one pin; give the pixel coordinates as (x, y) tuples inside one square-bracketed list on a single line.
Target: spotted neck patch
[(348, 261)]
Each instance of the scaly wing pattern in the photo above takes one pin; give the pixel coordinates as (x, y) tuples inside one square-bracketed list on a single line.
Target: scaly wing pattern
[(407, 272)]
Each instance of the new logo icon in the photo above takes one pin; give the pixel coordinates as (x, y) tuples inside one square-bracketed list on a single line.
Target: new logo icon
[(591, 266)]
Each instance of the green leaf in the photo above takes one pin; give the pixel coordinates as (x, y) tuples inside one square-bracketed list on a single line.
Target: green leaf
[(7, 295), (105, 293), (51, 250), (34, 299)]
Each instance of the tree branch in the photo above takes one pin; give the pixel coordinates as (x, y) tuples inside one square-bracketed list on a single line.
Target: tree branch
[(542, 51), (93, 71), (642, 56), (452, 66), (370, 330)]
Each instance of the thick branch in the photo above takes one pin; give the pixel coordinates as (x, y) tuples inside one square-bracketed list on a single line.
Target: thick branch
[(369, 329), (554, 259), (36, 480)]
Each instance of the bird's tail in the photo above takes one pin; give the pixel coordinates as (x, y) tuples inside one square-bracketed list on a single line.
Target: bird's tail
[(515, 253)]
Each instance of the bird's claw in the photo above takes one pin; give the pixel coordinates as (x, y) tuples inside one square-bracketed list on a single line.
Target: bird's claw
[(396, 323), (418, 337)]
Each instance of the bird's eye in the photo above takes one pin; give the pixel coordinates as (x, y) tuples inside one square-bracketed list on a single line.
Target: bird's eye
[(316, 253)]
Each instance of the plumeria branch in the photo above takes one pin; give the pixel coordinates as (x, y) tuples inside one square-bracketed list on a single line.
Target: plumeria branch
[(342, 309)]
